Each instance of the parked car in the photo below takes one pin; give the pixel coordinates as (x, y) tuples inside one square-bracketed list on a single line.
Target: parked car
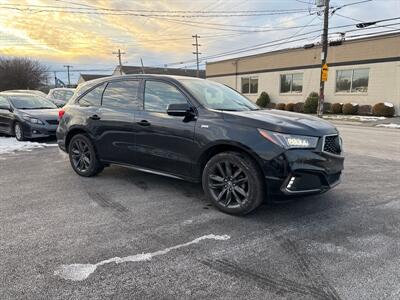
[(27, 116), (30, 92), (201, 131), (60, 96)]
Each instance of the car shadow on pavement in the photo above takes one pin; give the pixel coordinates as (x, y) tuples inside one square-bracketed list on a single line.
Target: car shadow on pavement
[(290, 207)]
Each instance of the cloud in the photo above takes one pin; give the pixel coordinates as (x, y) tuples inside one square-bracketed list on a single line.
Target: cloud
[(89, 39)]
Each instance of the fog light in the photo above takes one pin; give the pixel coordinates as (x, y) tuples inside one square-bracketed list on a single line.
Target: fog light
[(35, 132), (291, 181)]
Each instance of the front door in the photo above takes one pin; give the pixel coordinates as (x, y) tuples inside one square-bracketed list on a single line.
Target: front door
[(163, 142)]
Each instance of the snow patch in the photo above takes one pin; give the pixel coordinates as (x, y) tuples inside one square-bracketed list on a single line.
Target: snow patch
[(79, 272), (391, 125), (388, 104), (11, 145), (357, 118)]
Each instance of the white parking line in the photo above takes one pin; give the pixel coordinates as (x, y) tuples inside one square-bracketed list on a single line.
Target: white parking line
[(79, 272)]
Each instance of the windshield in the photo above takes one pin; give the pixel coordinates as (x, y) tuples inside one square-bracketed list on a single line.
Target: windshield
[(31, 102), (217, 96), (63, 95)]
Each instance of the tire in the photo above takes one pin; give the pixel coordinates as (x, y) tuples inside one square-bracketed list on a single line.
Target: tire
[(233, 182), (82, 156), (19, 132)]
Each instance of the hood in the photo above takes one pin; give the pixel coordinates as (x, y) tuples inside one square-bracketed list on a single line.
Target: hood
[(43, 114), (282, 121)]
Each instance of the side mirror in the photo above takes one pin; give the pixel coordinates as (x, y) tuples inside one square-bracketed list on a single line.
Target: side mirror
[(179, 109), (5, 107)]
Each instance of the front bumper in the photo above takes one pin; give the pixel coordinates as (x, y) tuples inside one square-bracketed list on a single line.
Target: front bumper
[(300, 172), (38, 131)]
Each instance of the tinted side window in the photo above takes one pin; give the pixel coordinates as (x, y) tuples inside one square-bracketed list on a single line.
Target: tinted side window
[(93, 98), (121, 94), (158, 95)]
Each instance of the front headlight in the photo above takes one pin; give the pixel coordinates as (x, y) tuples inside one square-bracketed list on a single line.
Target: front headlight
[(33, 120), (290, 141)]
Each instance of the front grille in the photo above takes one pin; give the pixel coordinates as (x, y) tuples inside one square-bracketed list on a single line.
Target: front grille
[(52, 122), (332, 144)]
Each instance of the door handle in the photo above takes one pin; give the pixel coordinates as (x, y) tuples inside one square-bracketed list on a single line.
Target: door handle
[(95, 117), (144, 123)]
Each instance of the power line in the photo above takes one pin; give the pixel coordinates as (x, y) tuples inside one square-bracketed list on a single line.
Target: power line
[(349, 4), (95, 8), (361, 21), (138, 13), (275, 42)]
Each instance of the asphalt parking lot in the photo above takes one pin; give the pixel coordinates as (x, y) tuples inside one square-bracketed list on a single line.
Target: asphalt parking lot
[(126, 234)]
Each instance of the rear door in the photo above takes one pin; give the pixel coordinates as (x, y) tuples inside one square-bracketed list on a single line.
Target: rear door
[(6, 117), (116, 138), (163, 142), (89, 110)]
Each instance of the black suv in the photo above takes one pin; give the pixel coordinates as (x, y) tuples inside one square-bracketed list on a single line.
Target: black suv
[(201, 131)]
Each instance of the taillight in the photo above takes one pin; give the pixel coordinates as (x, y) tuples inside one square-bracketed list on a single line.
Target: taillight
[(61, 113)]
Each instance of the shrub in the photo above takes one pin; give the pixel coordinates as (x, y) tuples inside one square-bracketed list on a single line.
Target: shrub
[(281, 106), (350, 108), (289, 107), (337, 108), (383, 109), (365, 110), (327, 107), (263, 100), (311, 104), (299, 107), (271, 105)]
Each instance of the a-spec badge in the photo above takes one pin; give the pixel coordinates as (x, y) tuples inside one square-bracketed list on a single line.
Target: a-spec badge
[(204, 126)]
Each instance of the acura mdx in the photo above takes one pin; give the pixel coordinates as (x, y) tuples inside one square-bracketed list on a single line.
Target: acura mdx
[(201, 131)]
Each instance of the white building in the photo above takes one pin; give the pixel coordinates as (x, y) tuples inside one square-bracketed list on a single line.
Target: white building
[(363, 71)]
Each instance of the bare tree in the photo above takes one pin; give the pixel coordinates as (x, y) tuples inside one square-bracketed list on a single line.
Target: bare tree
[(21, 73)]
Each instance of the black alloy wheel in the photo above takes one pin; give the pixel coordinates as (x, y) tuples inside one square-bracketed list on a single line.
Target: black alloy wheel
[(233, 183), (228, 184), (83, 156)]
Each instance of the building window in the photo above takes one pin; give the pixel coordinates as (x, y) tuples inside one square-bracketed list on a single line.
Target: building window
[(292, 83), (352, 81), (249, 85)]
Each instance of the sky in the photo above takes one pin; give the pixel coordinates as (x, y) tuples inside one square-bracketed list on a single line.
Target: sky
[(85, 33)]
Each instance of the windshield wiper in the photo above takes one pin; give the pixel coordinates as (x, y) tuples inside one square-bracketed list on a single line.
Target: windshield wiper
[(42, 107), (226, 109)]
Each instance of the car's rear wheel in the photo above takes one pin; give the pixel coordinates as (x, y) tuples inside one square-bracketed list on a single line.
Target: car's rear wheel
[(19, 132), (82, 156), (233, 183)]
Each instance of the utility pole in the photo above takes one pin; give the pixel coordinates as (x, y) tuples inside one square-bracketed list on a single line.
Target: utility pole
[(68, 67), (119, 55), (324, 55), (141, 61), (55, 79), (197, 45)]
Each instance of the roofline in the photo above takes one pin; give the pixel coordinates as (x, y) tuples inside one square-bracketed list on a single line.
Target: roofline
[(160, 68), (298, 48), (127, 76)]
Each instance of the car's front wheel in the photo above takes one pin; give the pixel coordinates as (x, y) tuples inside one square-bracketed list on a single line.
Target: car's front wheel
[(233, 183), (82, 156), (19, 132)]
